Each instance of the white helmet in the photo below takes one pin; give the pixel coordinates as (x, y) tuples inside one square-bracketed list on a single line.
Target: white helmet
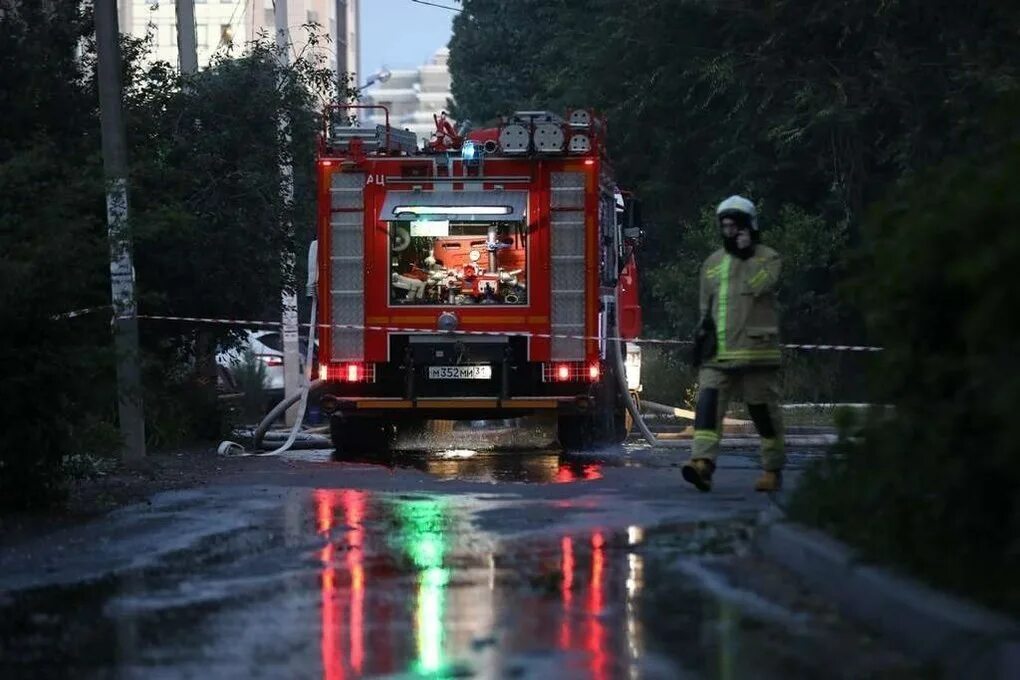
[(738, 205)]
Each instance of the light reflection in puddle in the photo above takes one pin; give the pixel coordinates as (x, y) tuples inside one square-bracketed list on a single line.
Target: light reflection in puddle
[(352, 504), (450, 605), (408, 585), (455, 454), (470, 465)]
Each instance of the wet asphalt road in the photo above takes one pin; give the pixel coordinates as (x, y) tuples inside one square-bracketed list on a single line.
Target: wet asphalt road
[(450, 562)]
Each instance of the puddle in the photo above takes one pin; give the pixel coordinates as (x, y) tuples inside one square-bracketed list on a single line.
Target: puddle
[(522, 434), (346, 583), (496, 451), (491, 466)]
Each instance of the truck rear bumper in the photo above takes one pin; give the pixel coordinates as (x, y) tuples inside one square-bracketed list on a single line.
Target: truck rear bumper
[(453, 408)]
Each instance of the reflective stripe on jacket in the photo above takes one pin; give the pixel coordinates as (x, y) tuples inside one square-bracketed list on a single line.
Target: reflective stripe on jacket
[(741, 297)]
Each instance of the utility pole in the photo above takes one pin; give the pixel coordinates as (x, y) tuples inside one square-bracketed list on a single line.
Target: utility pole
[(288, 294), (122, 271), (187, 42), (341, 46)]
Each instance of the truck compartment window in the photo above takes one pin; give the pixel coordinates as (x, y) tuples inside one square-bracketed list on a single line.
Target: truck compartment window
[(450, 262)]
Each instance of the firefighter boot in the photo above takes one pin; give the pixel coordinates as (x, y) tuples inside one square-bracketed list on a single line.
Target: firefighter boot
[(770, 481), (698, 472)]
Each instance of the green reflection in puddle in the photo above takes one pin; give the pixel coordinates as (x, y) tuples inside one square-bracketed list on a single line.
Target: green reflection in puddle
[(424, 541)]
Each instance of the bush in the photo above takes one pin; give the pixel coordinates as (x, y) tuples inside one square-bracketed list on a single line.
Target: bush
[(812, 251), (936, 489), (252, 378), (181, 411), (666, 376)]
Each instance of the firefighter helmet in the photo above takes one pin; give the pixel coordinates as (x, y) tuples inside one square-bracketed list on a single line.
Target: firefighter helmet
[(738, 206)]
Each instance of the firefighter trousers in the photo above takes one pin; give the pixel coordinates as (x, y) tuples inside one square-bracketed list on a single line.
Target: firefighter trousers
[(756, 387)]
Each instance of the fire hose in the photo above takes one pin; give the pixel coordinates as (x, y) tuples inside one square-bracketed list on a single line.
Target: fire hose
[(301, 398), (621, 376)]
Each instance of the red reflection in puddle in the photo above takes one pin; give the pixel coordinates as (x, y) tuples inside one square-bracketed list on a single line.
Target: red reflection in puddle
[(354, 512), (332, 662), (585, 570), (566, 586), (596, 630), (352, 504), (572, 473), (595, 640)]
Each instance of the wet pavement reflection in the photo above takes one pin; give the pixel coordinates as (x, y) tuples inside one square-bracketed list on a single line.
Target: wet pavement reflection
[(489, 467), (469, 612), (344, 583)]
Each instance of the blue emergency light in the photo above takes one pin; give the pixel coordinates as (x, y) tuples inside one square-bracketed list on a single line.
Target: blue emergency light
[(468, 151)]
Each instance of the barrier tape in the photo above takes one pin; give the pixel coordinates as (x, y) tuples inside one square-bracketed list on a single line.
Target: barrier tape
[(640, 341), (835, 348), (79, 312)]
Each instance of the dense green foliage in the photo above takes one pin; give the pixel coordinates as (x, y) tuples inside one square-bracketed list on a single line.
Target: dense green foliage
[(942, 477), (806, 106), (820, 111), (52, 244), (811, 257), (208, 213), (205, 219)]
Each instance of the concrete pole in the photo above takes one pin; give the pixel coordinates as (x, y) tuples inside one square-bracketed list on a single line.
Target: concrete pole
[(341, 45), (187, 42), (126, 15), (354, 50), (122, 271), (288, 294)]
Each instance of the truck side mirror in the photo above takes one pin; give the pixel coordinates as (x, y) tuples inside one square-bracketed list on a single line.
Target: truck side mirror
[(631, 222)]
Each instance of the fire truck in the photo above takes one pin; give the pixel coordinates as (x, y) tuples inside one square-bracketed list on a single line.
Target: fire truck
[(488, 275)]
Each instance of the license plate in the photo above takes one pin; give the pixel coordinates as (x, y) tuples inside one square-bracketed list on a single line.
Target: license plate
[(460, 372)]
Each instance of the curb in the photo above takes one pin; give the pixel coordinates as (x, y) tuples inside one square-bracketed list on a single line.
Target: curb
[(964, 639), (752, 442), (749, 431)]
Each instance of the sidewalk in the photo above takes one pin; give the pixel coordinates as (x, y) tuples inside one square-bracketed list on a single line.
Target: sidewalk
[(963, 639), (741, 434)]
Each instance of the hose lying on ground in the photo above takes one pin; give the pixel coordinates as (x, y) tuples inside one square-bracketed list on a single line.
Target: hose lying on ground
[(621, 376), (684, 413), (278, 410), (233, 448)]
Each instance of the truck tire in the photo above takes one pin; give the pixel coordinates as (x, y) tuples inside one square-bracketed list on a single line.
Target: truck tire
[(623, 423), (574, 432), (367, 439)]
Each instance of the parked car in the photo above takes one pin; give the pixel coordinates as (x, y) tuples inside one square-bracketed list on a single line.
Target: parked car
[(267, 347)]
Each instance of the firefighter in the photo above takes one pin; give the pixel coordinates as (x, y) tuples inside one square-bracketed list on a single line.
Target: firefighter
[(737, 345)]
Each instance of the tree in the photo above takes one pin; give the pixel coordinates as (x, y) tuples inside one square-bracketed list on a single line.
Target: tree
[(941, 477), (53, 240), (208, 222), (493, 52), (803, 105), (205, 221)]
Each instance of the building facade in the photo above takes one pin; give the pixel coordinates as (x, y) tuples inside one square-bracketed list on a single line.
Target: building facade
[(413, 96), (220, 24)]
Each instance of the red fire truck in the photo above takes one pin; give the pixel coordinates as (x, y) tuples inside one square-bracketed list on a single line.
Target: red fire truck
[(489, 275)]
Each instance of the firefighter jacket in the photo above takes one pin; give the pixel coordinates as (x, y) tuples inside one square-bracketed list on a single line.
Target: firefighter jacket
[(740, 297)]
